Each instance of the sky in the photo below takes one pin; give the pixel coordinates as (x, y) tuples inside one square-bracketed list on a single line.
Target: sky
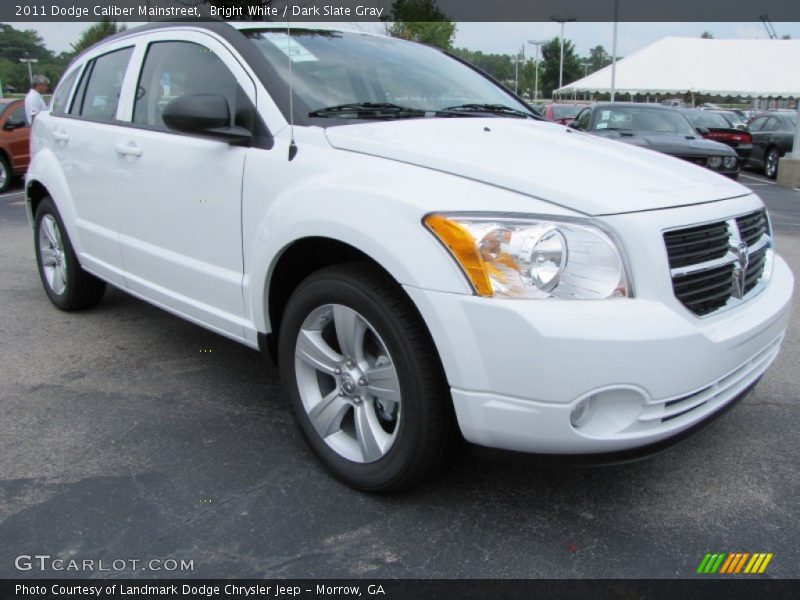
[(507, 38)]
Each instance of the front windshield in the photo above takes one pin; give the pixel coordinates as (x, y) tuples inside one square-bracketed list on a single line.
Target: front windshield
[(647, 119), (704, 118), (337, 68)]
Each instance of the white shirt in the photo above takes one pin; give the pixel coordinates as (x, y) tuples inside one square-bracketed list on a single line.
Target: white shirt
[(34, 103)]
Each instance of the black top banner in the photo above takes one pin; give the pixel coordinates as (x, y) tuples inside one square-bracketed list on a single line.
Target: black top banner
[(419, 10)]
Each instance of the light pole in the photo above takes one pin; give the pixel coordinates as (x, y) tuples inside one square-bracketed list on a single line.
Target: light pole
[(518, 59), (30, 70), (536, 43), (562, 20), (614, 53)]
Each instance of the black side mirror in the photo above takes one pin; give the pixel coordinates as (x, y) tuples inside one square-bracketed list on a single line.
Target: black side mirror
[(574, 124), (702, 130), (206, 115), (11, 124)]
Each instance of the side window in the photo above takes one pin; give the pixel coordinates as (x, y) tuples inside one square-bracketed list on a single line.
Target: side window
[(174, 69), (98, 94), (757, 124), (61, 95), (583, 119), (771, 124)]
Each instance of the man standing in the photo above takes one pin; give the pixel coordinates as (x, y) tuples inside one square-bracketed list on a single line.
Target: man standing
[(34, 103)]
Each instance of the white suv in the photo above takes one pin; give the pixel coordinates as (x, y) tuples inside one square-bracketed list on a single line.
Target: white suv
[(423, 256)]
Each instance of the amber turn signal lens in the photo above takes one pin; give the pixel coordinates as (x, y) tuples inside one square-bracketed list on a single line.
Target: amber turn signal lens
[(462, 246)]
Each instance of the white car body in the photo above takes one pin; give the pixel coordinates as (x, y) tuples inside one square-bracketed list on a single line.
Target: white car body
[(516, 368)]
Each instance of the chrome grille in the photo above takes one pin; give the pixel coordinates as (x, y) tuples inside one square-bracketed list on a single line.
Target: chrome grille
[(718, 265)]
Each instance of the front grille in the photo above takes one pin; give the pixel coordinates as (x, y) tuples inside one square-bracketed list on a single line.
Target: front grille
[(697, 244), (717, 264)]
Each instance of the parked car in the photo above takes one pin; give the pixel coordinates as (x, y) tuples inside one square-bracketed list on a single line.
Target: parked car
[(658, 128), (562, 113), (424, 257), (773, 136), (736, 118), (715, 126), (14, 141)]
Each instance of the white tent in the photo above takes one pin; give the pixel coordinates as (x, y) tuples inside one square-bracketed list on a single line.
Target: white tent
[(675, 65)]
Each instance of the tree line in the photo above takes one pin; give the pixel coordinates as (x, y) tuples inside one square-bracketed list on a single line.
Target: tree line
[(16, 44)]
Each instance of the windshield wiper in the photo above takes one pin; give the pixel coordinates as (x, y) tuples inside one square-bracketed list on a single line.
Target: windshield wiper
[(495, 109), (367, 110)]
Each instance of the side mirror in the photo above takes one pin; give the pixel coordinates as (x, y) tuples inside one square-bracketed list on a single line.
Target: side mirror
[(703, 130), (574, 124), (11, 124), (205, 115)]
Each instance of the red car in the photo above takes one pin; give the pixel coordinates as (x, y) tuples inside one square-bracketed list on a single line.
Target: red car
[(15, 147), (562, 113)]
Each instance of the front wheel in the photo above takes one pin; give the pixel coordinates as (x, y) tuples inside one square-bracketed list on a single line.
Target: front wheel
[(364, 379), (771, 163), (67, 285)]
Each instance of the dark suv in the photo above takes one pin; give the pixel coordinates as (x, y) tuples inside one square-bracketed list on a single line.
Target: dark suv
[(14, 141)]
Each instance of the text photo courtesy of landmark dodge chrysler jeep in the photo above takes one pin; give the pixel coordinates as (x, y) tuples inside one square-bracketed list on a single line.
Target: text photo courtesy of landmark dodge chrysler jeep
[(427, 260)]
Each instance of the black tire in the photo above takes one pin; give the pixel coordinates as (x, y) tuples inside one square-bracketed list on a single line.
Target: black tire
[(82, 290), (771, 159), (5, 174), (428, 435)]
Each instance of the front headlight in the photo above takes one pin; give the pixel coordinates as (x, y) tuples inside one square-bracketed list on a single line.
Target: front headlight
[(729, 162), (519, 257), (715, 162)]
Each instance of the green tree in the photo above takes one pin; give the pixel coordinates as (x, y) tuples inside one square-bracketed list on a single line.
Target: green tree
[(16, 44), (421, 21), (598, 58), (95, 33), (707, 35), (549, 70)]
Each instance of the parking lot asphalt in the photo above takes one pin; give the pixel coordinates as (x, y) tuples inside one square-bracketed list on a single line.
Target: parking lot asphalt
[(127, 433)]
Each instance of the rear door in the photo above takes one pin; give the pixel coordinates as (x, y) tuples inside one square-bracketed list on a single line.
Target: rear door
[(181, 230), (759, 136), (83, 140)]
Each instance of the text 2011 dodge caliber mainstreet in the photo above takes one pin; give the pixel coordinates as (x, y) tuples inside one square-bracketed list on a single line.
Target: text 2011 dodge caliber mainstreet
[(426, 259)]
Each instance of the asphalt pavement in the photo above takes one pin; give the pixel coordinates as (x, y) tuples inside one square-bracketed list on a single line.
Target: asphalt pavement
[(127, 433)]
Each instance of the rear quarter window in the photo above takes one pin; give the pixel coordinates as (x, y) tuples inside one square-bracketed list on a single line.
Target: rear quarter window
[(62, 93)]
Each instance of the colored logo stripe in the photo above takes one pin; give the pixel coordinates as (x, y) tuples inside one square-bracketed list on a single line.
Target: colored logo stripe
[(734, 562)]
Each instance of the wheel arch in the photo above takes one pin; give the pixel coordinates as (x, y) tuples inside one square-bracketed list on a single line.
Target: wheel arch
[(294, 263)]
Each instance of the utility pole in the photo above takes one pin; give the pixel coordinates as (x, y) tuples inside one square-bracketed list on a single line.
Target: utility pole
[(536, 43)]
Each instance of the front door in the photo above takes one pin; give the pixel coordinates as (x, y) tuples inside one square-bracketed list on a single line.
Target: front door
[(180, 228)]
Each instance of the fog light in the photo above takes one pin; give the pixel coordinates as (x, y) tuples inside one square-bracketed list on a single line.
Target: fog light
[(582, 412), (715, 162), (729, 162)]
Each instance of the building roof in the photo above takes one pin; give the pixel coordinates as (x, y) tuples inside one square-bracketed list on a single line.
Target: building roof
[(676, 65)]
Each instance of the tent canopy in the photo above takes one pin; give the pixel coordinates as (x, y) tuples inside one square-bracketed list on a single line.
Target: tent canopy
[(676, 65)]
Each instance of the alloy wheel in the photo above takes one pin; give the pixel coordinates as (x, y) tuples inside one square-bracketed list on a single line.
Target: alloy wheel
[(51, 250), (772, 163), (348, 383)]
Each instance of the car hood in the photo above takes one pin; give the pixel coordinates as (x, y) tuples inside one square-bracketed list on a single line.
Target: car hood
[(676, 145), (550, 162)]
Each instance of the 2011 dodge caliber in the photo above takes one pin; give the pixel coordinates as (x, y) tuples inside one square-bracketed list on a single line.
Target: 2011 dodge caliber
[(426, 259)]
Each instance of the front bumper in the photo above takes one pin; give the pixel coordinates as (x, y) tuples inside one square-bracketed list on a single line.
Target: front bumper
[(517, 369)]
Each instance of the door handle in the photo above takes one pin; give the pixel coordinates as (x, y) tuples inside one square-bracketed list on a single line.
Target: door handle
[(129, 149), (60, 136)]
